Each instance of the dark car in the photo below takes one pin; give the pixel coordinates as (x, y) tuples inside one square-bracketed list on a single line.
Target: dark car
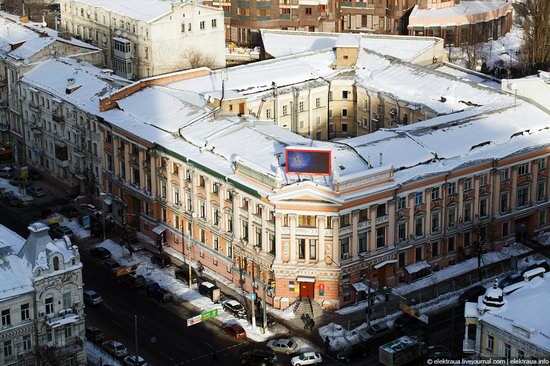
[(161, 259), (472, 294), (96, 230), (133, 280), (95, 334), (111, 266), (13, 200), (34, 175), (235, 308), (352, 353), (69, 211), (374, 332), (60, 231), (37, 191), (235, 330), (183, 275), (100, 252), (259, 357), (154, 290), (510, 279)]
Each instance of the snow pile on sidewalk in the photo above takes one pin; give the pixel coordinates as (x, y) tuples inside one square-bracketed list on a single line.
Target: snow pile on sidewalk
[(77, 229), (5, 184), (96, 356), (166, 279), (460, 268), (339, 337), (359, 306)]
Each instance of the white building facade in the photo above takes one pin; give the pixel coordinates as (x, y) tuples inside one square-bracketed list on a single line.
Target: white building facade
[(150, 37), (41, 305)]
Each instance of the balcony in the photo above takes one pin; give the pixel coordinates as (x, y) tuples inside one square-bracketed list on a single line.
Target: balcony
[(382, 219), (64, 163), (58, 118), (34, 107)]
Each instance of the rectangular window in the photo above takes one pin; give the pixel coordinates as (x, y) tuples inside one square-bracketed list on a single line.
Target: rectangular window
[(467, 241), (484, 207), (380, 237), (176, 222), (467, 184), (202, 234), (435, 193), (419, 198), (244, 228), (541, 191), (271, 248), (6, 318), (344, 248), (317, 102), (505, 174), (301, 106), (402, 259), (67, 301), (451, 188), (419, 226), (258, 236), (344, 112), (483, 180), (285, 110), (541, 164), (435, 222), (435, 249), (507, 350), (451, 216), (344, 220), (523, 169), (504, 202), (26, 340), (214, 23), (344, 94), (8, 350), (163, 215), (522, 196), (25, 312), (381, 210), (163, 189), (201, 25), (202, 210), (176, 191), (363, 215), (401, 203), (402, 231), (49, 305), (68, 331), (418, 254), (450, 244), (312, 248), (542, 218), (306, 221), (216, 243), (363, 242)]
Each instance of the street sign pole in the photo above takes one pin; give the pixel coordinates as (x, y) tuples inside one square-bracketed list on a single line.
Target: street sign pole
[(252, 298), (264, 308)]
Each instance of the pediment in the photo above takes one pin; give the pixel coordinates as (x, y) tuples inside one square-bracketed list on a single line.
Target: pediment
[(306, 193)]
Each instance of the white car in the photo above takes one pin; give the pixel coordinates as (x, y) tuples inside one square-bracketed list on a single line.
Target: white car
[(282, 345), (133, 360), (115, 349), (306, 358)]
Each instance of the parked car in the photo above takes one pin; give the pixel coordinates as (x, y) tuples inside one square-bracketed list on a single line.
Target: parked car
[(472, 294), (510, 279), (282, 345), (100, 252), (542, 264), (7, 172), (210, 290), (183, 275), (438, 353), (259, 357), (133, 360), (37, 191), (96, 230), (111, 266), (95, 334), (60, 231), (235, 330), (69, 211), (306, 358), (91, 297), (133, 280), (161, 259), (20, 182), (235, 308), (353, 353), (136, 244), (375, 331), (159, 293), (115, 348)]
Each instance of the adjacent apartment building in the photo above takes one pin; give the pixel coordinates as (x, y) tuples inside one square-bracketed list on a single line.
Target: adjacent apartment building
[(456, 21), (458, 164), (510, 323), (41, 307), (148, 37)]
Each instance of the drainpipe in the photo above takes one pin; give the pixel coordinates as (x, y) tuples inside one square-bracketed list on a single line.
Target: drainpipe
[(328, 111)]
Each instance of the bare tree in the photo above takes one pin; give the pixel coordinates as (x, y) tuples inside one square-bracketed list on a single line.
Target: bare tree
[(472, 47), (535, 51), (196, 58), (47, 356)]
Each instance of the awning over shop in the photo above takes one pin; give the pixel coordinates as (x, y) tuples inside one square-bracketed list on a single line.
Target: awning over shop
[(306, 279), (159, 229), (417, 267), (384, 263), (360, 286)]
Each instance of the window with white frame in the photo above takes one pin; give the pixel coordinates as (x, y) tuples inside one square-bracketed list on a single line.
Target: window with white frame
[(435, 221), (505, 174), (451, 188), (49, 305), (419, 198), (401, 203), (435, 193), (67, 301), (467, 184), (523, 169), (402, 231), (541, 164)]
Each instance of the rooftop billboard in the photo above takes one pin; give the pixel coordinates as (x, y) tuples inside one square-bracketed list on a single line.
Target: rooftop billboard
[(308, 161)]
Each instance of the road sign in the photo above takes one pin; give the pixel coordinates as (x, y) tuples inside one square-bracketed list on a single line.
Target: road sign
[(414, 313), (202, 317), (252, 296)]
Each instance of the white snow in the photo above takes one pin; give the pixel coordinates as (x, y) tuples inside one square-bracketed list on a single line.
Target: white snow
[(145, 10), (466, 8), (77, 229), (94, 355), (544, 238), (460, 268), (16, 191)]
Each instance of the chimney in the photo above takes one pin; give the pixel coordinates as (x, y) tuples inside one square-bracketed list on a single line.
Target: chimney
[(38, 229)]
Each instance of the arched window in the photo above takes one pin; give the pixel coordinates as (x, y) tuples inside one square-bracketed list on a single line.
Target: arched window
[(55, 263)]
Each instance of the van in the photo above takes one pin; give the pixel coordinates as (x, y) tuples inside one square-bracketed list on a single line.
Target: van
[(7, 172), (210, 290)]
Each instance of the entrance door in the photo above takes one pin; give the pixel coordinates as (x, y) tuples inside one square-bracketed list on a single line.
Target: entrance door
[(307, 290), (382, 276)]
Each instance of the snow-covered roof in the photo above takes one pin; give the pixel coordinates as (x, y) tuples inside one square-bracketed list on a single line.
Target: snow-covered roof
[(145, 10), (463, 8), (15, 273), (417, 267), (525, 313), (279, 43), (21, 41), (347, 40)]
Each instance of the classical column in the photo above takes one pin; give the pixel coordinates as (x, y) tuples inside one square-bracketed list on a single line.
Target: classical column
[(354, 236), (221, 197), (278, 243), (494, 181), (236, 216), (514, 178), (264, 234), (321, 247), (292, 246), (391, 223), (335, 253), (372, 241)]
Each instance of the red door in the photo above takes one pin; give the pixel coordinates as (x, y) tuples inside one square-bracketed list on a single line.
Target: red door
[(307, 290)]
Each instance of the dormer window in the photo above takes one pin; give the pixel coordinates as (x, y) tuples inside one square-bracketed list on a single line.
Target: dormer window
[(55, 263)]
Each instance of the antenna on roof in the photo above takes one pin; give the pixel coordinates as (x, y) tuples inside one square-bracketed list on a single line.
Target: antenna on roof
[(381, 159), (368, 161)]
